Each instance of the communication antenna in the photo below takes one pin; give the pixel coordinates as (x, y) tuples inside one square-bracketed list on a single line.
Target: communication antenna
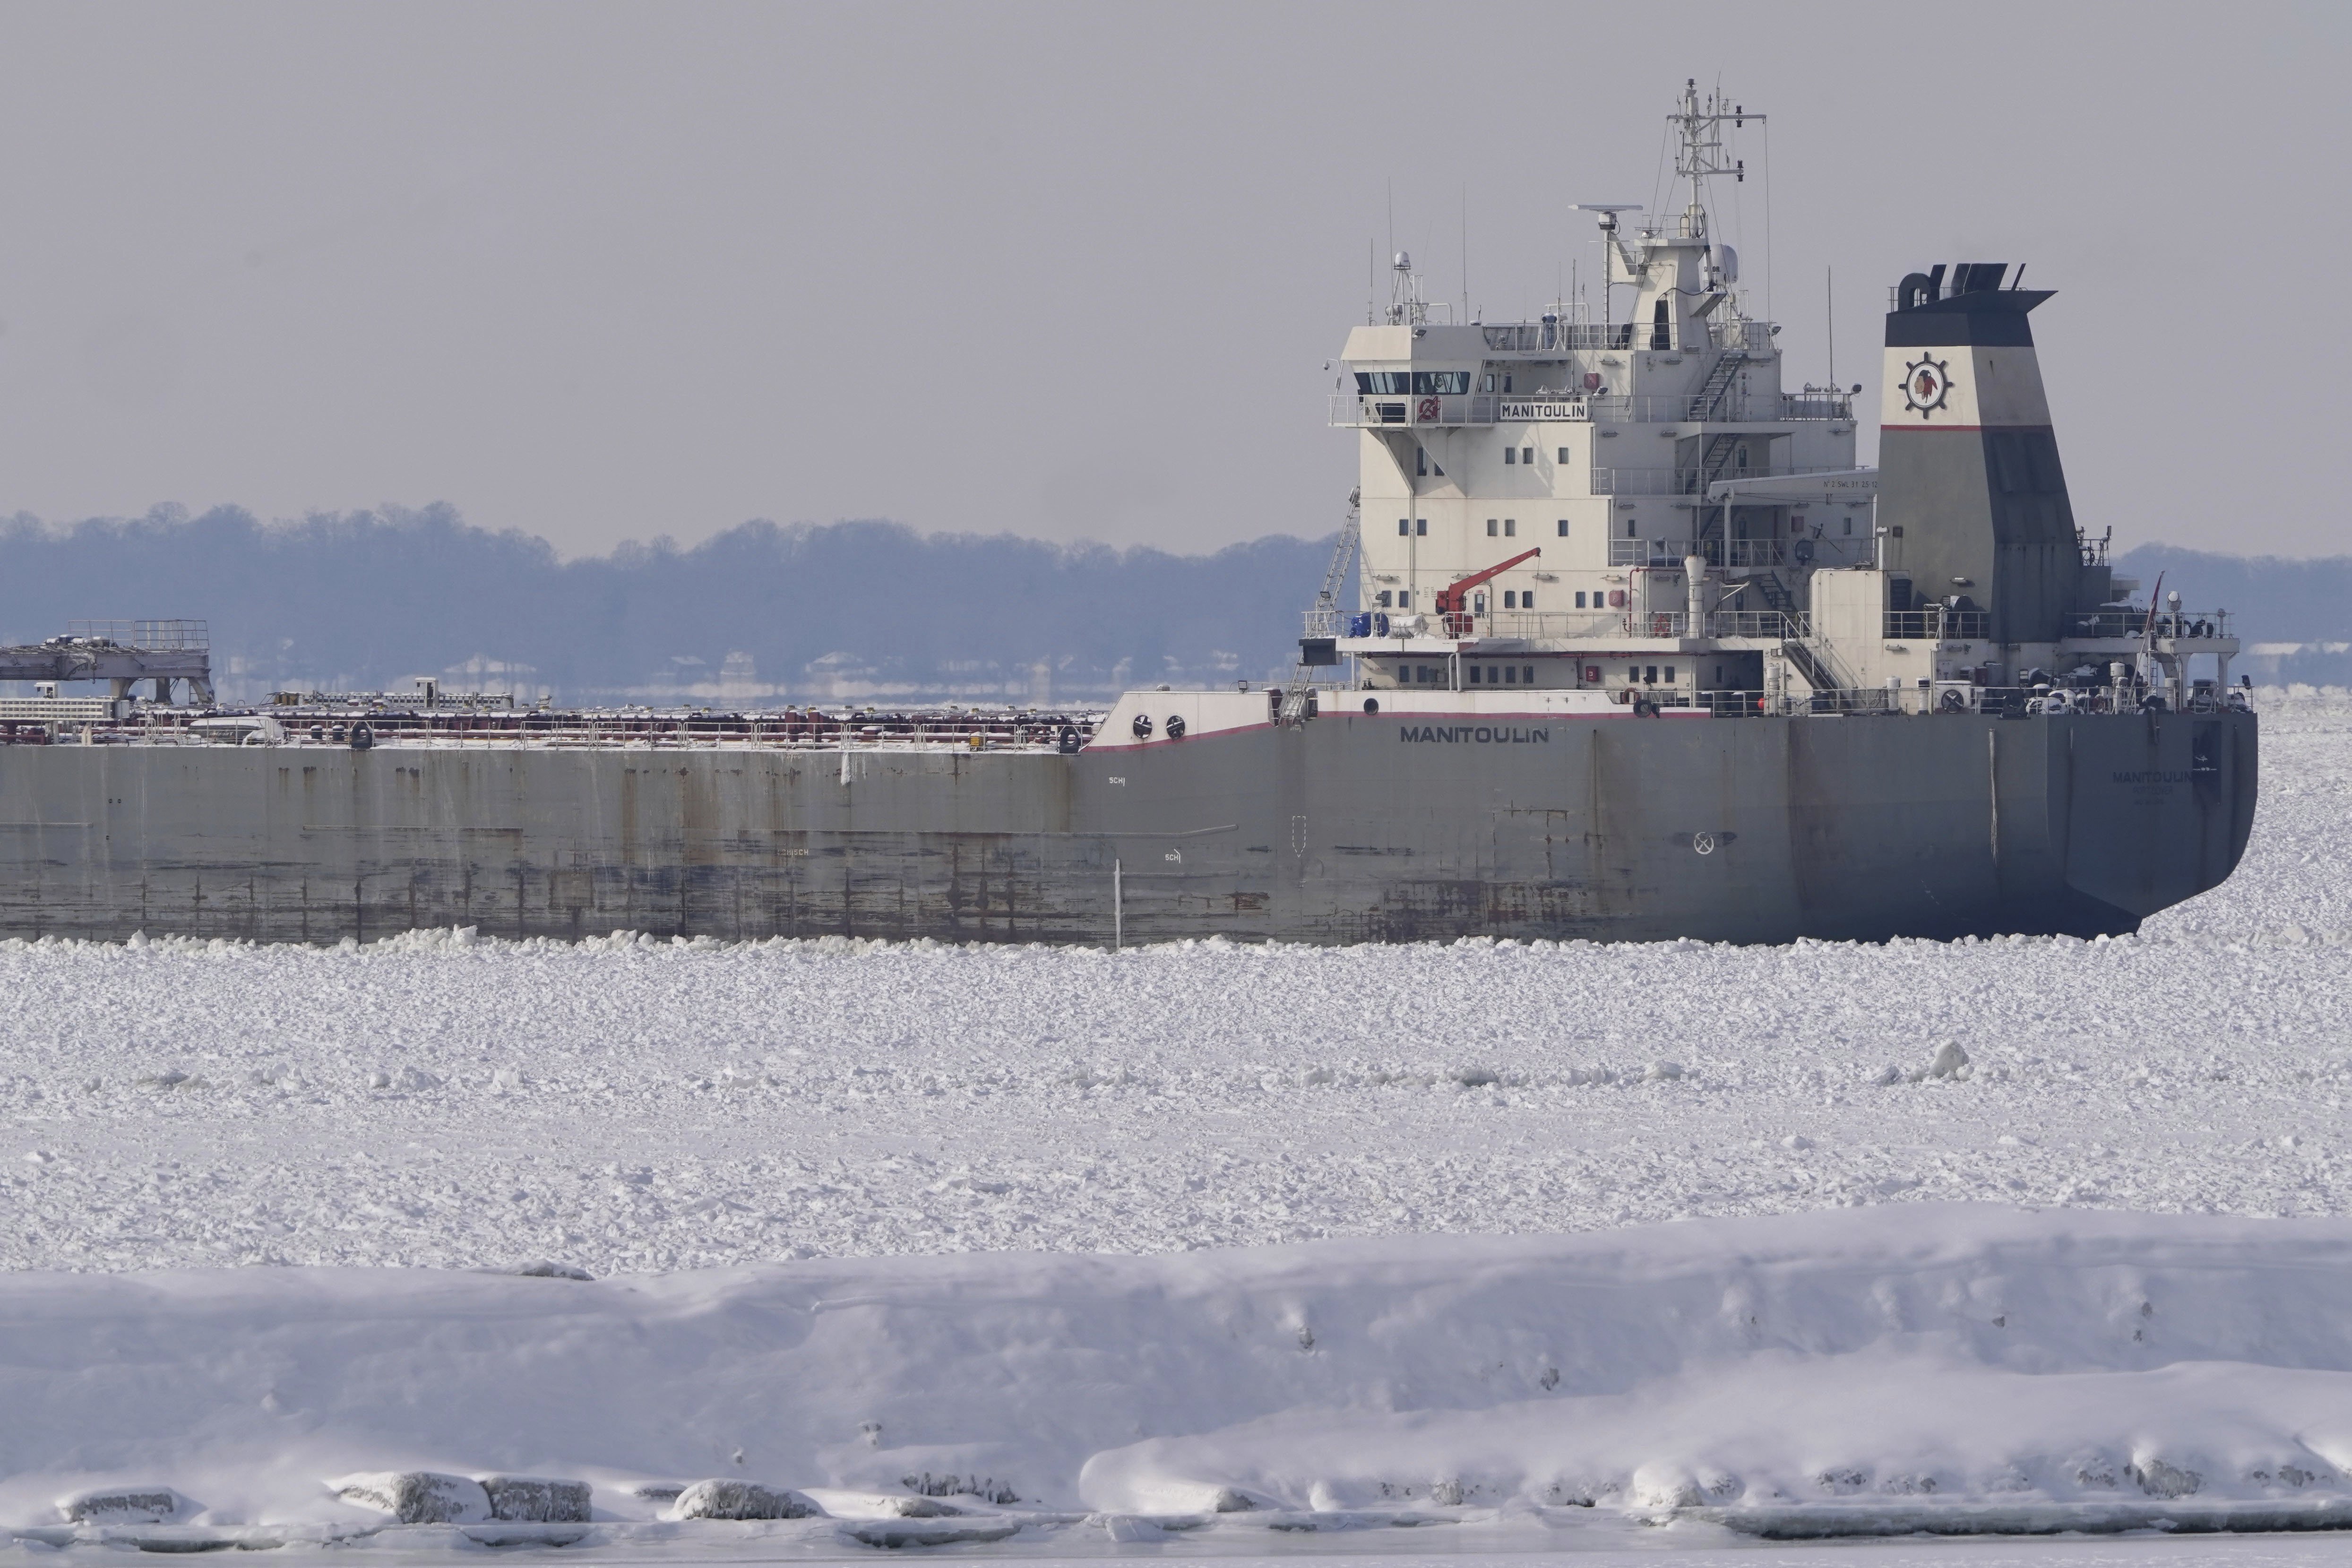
[(1699, 124)]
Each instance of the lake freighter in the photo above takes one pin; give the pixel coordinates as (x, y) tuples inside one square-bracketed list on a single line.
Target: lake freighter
[(1619, 644)]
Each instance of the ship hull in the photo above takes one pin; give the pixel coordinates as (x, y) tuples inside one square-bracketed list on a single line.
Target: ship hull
[(1348, 828)]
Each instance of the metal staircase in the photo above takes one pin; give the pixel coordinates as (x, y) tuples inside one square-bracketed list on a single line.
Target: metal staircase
[(1708, 404), (1812, 663), (1775, 594), (1720, 451), (1705, 407)]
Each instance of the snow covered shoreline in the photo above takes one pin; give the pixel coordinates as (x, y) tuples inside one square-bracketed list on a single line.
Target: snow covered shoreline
[(1874, 1369)]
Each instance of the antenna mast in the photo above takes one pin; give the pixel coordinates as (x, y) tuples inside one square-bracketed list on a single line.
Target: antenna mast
[(1699, 123)]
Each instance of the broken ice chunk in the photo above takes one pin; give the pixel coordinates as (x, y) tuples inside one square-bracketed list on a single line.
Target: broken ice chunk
[(536, 1500), (419, 1496), (125, 1505), (723, 1498)]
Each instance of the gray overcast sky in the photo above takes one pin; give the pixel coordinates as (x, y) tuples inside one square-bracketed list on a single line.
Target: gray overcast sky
[(604, 271)]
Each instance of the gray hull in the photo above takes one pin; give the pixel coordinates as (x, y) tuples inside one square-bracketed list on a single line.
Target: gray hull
[(1351, 828)]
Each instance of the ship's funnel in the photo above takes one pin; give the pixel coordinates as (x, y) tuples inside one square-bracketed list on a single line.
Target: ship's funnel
[(1969, 484)]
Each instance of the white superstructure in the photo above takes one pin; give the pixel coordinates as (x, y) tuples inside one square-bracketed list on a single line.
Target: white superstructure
[(1639, 506)]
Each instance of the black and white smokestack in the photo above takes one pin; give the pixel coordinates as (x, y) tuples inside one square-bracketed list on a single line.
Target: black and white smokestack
[(1968, 466)]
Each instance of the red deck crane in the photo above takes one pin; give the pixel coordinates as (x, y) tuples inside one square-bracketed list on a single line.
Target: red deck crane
[(1450, 600)]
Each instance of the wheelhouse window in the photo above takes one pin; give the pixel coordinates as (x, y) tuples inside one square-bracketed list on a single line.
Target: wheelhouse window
[(1413, 383)]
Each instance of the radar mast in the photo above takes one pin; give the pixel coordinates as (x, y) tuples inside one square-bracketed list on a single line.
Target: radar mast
[(1698, 123)]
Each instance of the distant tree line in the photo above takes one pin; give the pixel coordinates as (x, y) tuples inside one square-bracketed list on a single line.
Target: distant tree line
[(846, 612)]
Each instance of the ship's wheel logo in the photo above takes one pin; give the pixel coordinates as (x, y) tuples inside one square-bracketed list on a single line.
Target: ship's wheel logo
[(1426, 412), (1926, 385)]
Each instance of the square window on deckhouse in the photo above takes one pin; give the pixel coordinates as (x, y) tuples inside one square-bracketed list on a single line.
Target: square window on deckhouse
[(1510, 456)]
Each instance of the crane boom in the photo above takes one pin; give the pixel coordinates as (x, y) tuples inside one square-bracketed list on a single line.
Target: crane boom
[(1449, 600)]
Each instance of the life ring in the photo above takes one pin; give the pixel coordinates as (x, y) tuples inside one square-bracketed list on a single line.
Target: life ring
[(1067, 742), (1175, 726), (1142, 726)]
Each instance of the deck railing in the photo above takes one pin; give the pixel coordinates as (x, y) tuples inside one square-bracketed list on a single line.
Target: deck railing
[(2116, 624), (1937, 622), (1439, 411)]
